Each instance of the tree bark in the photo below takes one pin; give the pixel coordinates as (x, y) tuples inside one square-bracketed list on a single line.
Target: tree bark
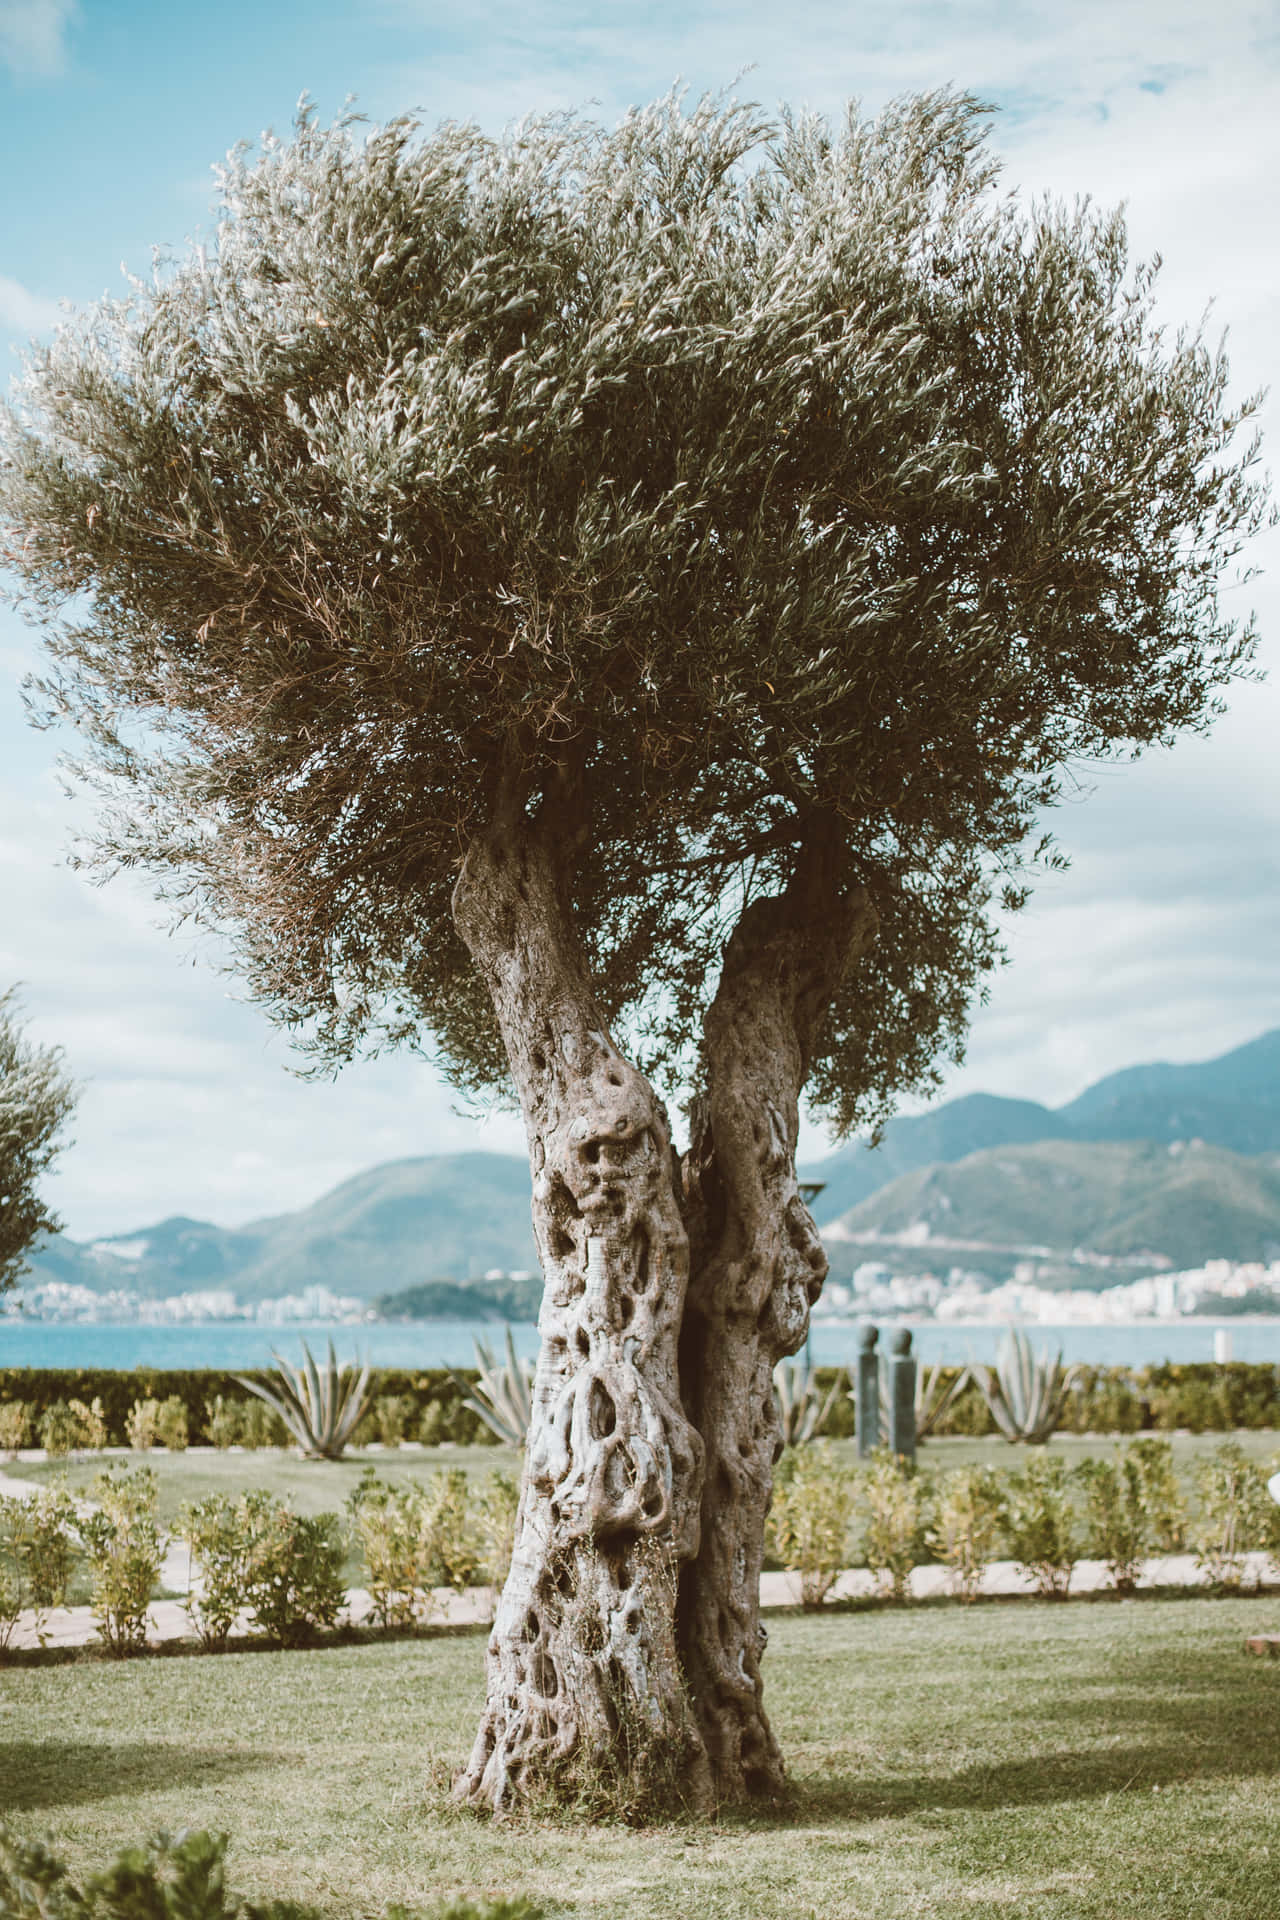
[(758, 1266), (584, 1685)]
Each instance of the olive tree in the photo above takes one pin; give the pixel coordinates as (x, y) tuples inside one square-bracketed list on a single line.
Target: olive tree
[(36, 1098), (612, 605)]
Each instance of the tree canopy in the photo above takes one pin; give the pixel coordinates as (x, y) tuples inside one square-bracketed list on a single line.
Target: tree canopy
[(36, 1098), (756, 470)]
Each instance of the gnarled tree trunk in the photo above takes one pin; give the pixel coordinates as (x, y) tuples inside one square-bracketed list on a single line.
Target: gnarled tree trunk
[(584, 1679), (758, 1266)]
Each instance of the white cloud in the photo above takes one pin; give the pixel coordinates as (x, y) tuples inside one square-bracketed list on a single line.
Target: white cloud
[(23, 312), (33, 34)]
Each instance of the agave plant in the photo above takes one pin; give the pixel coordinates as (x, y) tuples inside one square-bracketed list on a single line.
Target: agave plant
[(802, 1411), (1025, 1392), (934, 1395), (320, 1409), (503, 1395)]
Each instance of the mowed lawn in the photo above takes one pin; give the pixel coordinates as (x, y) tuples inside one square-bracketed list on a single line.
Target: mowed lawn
[(315, 1485), (1099, 1758)]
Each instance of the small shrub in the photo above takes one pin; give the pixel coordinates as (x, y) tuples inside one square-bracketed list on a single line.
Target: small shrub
[(294, 1574), (433, 1427), (59, 1429), (140, 1425), (224, 1421), (37, 1555), (1161, 1495), (220, 1532), (496, 1506), (966, 1525), (122, 1542), (395, 1412), (171, 1424), (69, 1425), (1235, 1515), (1117, 1525), (1040, 1524), (92, 1424), (394, 1528), (15, 1425), (893, 1527), (260, 1427), (808, 1528), (456, 1560)]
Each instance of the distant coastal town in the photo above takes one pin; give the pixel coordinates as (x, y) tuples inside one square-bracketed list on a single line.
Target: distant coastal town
[(1219, 1288)]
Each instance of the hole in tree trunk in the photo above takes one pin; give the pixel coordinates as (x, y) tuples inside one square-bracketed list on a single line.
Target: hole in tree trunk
[(640, 1260), (691, 1362), (532, 1627), (590, 1633), (602, 1415), (546, 1680), (538, 1058), (583, 1342), (626, 1307)]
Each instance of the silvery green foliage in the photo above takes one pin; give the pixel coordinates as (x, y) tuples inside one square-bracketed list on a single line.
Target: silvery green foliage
[(503, 1395), (36, 1098), (1024, 1391), (937, 1389), (757, 470), (803, 1411), (320, 1409)]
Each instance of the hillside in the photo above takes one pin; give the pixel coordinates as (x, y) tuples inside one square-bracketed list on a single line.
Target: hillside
[(452, 1217), (1232, 1101), (400, 1224), (1190, 1204)]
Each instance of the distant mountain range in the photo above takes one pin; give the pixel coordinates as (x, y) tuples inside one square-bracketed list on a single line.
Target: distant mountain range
[(1059, 1177), (1189, 1203), (1231, 1102), (446, 1216)]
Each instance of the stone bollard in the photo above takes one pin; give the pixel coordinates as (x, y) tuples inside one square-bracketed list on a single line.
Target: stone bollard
[(867, 1394), (902, 1396)]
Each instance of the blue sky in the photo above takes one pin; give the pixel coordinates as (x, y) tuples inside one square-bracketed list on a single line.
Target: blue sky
[(1164, 939)]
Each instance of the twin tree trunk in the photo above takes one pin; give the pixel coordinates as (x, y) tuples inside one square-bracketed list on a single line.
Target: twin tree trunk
[(625, 1652)]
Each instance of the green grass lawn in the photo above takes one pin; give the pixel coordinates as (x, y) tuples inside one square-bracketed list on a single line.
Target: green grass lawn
[(1089, 1761), (314, 1485)]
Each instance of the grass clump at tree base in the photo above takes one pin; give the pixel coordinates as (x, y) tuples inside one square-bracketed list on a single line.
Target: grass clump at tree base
[(1058, 1763)]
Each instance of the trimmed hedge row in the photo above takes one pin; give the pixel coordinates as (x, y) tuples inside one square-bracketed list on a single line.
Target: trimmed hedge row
[(197, 1387), (1204, 1396)]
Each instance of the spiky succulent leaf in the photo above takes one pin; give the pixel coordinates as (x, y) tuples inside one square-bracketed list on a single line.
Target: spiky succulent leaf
[(1025, 1392), (320, 1411)]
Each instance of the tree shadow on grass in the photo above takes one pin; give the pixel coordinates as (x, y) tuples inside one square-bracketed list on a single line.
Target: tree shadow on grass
[(67, 1773), (1204, 1714)]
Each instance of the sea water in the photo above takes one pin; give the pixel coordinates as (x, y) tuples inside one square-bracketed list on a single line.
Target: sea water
[(237, 1344)]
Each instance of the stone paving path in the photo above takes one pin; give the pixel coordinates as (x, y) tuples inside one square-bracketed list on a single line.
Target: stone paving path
[(168, 1619)]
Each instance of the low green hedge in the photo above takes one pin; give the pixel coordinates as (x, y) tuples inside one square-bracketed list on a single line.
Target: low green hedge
[(197, 1387), (1203, 1396)]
